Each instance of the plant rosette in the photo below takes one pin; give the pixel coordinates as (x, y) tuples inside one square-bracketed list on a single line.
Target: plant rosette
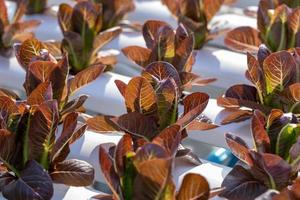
[(272, 163), (277, 28), (130, 168), (36, 146), (87, 27), (275, 85), (30, 127), (135, 123)]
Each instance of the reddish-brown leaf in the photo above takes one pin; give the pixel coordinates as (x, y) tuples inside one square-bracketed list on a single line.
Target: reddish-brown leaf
[(121, 87), (101, 124), (237, 116), (194, 105), (73, 173), (159, 71), (243, 39), (108, 171), (85, 77), (239, 148), (140, 96), (211, 8), (124, 146), (139, 55), (194, 186), (202, 126), (42, 93), (259, 133), (150, 31), (280, 71), (137, 124), (105, 37), (169, 138)]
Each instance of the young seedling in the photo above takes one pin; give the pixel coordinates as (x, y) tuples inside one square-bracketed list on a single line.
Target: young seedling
[(275, 79), (195, 16), (277, 28), (14, 30), (273, 163), (172, 46)]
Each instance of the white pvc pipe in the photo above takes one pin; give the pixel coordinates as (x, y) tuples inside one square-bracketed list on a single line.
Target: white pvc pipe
[(145, 10), (246, 3), (228, 67), (63, 192)]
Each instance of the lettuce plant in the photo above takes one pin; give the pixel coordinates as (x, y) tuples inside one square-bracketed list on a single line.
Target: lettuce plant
[(14, 30), (195, 15), (165, 44), (146, 172), (152, 105), (154, 98), (85, 34), (275, 79), (31, 153), (277, 28), (273, 163), (42, 67)]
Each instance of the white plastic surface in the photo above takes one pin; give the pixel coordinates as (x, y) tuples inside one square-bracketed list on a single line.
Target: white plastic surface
[(228, 67), (246, 3)]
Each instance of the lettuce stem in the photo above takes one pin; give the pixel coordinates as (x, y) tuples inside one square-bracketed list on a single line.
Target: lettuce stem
[(294, 106), (282, 37), (292, 41), (26, 140)]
